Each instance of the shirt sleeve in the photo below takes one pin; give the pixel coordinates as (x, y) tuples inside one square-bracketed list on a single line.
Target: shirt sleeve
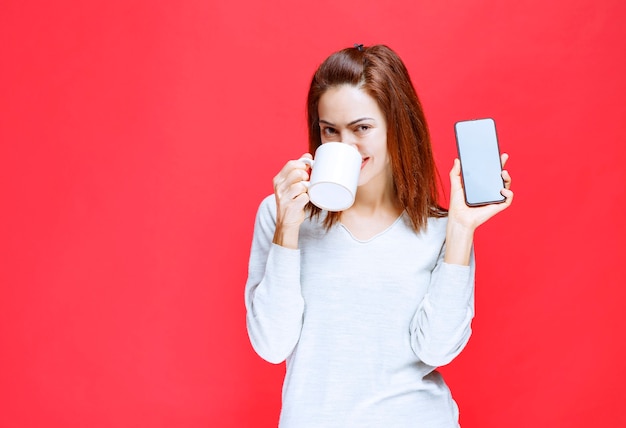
[(441, 326), (273, 296)]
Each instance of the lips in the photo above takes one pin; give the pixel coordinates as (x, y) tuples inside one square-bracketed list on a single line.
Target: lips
[(364, 161)]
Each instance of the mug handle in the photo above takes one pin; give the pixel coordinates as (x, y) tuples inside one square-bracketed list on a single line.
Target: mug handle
[(310, 163), (307, 161)]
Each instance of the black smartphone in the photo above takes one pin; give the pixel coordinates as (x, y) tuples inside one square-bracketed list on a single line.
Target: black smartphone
[(481, 168)]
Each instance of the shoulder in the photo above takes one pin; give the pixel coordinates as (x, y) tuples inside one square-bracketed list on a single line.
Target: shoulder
[(267, 207), (434, 226), (433, 233), (437, 223), (266, 214)]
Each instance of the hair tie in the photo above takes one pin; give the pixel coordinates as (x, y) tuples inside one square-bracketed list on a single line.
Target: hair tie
[(359, 47)]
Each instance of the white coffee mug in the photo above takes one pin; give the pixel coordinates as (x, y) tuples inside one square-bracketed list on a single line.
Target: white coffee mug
[(334, 176)]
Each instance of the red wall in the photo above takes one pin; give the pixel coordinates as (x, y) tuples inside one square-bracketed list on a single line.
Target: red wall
[(138, 137)]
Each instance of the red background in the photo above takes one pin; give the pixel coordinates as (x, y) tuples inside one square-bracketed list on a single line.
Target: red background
[(138, 137)]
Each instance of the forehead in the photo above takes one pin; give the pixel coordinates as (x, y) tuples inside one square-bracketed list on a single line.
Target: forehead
[(343, 104)]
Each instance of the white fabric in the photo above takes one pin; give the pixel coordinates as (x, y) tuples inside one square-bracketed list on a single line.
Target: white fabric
[(361, 324)]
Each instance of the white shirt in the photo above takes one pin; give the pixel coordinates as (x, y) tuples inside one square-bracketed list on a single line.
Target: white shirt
[(361, 324)]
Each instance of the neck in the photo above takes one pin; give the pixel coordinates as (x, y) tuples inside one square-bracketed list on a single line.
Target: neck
[(374, 210), (377, 197)]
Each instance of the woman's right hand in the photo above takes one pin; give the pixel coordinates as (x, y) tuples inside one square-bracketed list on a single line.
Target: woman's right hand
[(291, 198)]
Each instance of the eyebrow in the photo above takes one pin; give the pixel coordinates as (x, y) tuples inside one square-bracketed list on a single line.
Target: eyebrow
[(354, 122)]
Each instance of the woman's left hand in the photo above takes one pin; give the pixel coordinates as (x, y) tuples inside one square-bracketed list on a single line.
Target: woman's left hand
[(472, 217)]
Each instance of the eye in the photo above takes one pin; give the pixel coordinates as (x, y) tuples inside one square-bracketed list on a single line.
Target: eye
[(362, 128), (328, 131)]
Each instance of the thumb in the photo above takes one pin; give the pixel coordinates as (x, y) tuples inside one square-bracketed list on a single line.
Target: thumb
[(455, 174)]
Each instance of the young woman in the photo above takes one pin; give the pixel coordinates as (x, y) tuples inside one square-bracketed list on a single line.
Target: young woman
[(366, 303)]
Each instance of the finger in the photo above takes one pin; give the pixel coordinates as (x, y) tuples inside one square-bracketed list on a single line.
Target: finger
[(286, 192), (296, 175), (507, 179), (302, 199), (504, 157), (276, 182), (298, 164), (455, 172), (295, 164), (296, 190), (508, 195), (456, 167), (494, 209), (286, 176), (304, 165), (455, 175)]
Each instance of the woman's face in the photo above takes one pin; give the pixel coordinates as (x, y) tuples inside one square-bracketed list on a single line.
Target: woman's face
[(351, 116)]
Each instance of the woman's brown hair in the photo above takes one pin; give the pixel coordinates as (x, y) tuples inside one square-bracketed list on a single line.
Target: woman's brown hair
[(381, 73)]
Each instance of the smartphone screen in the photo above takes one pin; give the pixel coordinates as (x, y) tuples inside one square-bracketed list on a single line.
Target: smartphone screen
[(481, 169)]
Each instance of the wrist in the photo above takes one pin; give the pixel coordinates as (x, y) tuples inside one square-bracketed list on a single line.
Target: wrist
[(287, 236), (459, 241), (459, 228)]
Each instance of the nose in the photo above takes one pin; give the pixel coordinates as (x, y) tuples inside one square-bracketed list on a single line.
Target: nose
[(348, 137)]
